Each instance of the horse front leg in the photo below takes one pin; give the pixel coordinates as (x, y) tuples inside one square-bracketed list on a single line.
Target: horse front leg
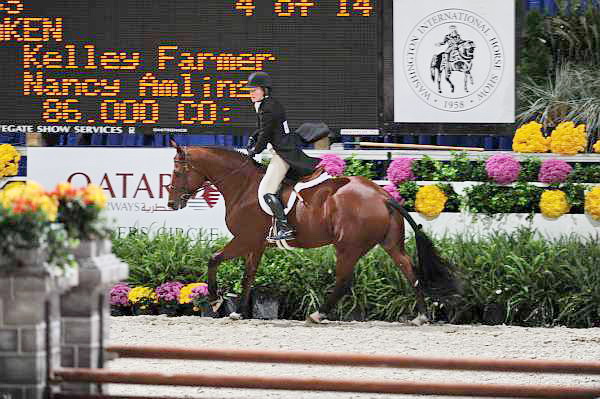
[(231, 250), (466, 77), (252, 262)]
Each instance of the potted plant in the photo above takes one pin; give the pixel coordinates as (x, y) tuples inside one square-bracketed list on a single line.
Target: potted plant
[(143, 301), (200, 303), (79, 210), (119, 301), (167, 296), (29, 235)]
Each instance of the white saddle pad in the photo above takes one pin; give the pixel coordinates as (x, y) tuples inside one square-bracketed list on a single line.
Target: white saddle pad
[(294, 195)]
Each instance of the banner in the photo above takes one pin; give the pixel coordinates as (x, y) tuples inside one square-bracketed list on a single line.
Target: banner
[(135, 181), (454, 61)]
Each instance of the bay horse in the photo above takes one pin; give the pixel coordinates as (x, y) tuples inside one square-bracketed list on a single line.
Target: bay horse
[(351, 213), (460, 59)]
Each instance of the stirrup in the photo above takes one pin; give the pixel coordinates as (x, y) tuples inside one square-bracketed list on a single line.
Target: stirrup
[(275, 235)]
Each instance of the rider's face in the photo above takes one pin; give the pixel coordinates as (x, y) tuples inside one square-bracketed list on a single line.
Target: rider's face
[(257, 94)]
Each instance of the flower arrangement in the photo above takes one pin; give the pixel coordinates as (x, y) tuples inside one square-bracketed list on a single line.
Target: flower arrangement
[(529, 138), (554, 203), (333, 164), (596, 147), (554, 171), (430, 201), (393, 192), (568, 139), (26, 213), (119, 295), (592, 203), (502, 169), (80, 209), (9, 160), (168, 292), (143, 299), (400, 171), (185, 295), (167, 296)]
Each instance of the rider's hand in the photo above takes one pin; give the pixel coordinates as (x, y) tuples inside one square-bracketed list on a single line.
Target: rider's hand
[(251, 152)]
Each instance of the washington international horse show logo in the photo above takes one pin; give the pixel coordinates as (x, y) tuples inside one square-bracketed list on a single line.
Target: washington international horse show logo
[(454, 60)]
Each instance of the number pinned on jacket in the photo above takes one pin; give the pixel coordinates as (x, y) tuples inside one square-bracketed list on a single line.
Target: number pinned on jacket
[(286, 129)]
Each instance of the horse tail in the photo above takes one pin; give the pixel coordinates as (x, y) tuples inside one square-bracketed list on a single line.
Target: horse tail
[(435, 274)]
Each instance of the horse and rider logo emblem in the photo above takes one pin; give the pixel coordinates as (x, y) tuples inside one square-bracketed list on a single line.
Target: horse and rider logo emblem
[(453, 60)]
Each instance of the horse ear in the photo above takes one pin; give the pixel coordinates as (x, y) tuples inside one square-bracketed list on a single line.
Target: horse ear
[(175, 145)]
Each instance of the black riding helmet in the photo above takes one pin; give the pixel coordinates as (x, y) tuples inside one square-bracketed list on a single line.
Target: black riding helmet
[(259, 79)]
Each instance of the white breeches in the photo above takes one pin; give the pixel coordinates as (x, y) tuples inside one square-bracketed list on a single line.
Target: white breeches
[(276, 172)]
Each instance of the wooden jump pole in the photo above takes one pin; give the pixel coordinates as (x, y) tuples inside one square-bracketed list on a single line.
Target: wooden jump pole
[(348, 359), (316, 384), (418, 146)]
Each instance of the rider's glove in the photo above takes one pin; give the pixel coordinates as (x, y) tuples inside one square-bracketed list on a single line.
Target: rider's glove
[(251, 143)]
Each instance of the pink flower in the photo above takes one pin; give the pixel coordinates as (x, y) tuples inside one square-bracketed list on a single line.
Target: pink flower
[(333, 164), (169, 291), (118, 294), (393, 191), (201, 290), (400, 170), (554, 171), (503, 169)]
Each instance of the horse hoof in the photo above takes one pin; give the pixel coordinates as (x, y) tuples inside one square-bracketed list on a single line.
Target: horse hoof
[(235, 316), (314, 318), (419, 320)]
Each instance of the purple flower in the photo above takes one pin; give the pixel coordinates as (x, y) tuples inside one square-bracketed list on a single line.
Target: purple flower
[(503, 169), (400, 170), (393, 191), (201, 290), (118, 294), (168, 291), (333, 164), (554, 171)]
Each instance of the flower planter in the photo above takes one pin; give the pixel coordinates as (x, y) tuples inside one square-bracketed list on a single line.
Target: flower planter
[(116, 310), (33, 257), (169, 309), (142, 310), (265, 305), (481, 225), (493, 314)]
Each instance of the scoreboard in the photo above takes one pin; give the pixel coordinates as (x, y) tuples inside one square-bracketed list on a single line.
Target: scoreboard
[(143, 66)]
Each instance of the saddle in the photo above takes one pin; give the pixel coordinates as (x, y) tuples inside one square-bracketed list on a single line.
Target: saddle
[(290, 190)]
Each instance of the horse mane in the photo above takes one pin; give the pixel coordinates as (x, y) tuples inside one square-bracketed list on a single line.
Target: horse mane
[(234, 151)]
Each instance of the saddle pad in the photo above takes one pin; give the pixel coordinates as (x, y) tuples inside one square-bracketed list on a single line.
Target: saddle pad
[(293, 195)]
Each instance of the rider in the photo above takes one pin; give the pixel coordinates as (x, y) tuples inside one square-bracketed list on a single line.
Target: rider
[(453, 39), (286, 148)]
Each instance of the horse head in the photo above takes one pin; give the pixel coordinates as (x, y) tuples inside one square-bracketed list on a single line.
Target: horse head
[(186, 179), (467, 49)]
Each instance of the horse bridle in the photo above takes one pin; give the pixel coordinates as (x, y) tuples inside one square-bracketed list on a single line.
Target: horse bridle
[(186, 166)]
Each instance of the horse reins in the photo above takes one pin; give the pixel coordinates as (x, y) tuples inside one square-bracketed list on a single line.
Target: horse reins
[(186, 194)]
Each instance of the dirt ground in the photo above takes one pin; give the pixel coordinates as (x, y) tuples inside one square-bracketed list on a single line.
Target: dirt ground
[(443, 340)]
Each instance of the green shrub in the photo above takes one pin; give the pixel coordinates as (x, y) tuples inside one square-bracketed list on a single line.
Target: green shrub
[(535, 281)]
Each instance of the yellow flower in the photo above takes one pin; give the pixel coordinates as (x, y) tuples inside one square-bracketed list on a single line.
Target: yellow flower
[(529, 138), (554, 203), (94, 195), (430, 201), (186, 291), (592, 203), (597, 146), (9, 160), (138, 293), (28, 197), (567, 139)]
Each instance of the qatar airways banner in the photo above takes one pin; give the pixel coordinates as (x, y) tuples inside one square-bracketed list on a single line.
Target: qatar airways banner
[(135, 181)]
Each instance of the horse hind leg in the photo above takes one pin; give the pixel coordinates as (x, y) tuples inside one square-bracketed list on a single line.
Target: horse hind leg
[(448, 73), (402, 260), (344, 270)]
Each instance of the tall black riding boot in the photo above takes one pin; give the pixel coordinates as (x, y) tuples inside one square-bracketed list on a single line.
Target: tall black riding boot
[(283, 230)]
